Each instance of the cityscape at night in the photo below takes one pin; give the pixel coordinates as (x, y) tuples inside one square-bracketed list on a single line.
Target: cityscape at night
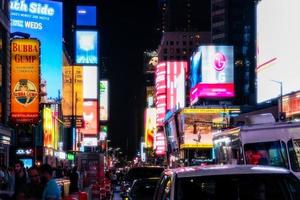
[(149, 100)]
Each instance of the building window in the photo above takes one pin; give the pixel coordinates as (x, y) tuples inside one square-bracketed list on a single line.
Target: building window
[(183, 43), (171, 57), (171, 43), (177, 57), (191, 43), (165, 50), (177, 50), (177, 42), (165, 58)]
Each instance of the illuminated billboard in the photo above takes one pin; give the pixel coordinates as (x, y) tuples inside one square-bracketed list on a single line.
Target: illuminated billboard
[(90, 118), (150, 61), (150, 126), (25, 80), (72, 101), (277, 48), (103, 100), (90, 82), (170, 87), (41, 19), (197, 125), (48, 128), (103, 133), (89, 141), (212, 73), (160, 143), (86, 15), (86, 47)]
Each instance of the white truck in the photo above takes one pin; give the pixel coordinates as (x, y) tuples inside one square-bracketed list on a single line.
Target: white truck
[(268, 143)]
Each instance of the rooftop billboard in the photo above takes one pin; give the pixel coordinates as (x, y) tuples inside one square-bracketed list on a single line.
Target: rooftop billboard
[(212, 74), (41, 19), (277, 50)]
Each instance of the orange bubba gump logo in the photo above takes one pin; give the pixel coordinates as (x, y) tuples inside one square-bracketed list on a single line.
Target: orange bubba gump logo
[(25, 92)]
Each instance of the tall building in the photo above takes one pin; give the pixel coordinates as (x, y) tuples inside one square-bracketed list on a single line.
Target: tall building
[(233, 23), (184, 15), (5, 133)]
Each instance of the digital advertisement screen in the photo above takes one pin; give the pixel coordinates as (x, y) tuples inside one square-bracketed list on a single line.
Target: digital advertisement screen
[(103, 132), (86, 15), (160, 143), (90, 118), (89, 141), (277, 48), (212, 73), (40, 19), (86, 47), (90, 82), (28, 162), (171, 133), (150, 126), (161, 92), (25, 80), (103, 100), (48, 128)]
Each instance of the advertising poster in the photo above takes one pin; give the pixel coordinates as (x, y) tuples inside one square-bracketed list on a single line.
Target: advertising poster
[(150, 126), (277, 48), (86, 47), (42, 19), (150, 61), (90, 82), (25, 80), (48, 128), (103, 100), (160, 143), (161, 93), (86, 16), (72, 102), (198, 126), (90, 118), (212, 74)]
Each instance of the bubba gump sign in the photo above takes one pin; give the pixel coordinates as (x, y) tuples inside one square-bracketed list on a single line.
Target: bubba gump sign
[(25, 80)]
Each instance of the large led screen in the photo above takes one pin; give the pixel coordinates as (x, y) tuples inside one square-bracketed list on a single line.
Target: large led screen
[(103, 100), (86, 47), (86, 15), (90, 82), (42, 19), (90, 118), (277, 51), (212, 72), (150, 126)]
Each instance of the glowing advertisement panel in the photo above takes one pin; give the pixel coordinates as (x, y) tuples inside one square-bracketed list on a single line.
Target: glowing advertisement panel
[(48, 128), (212, 72), (103, 100), (161, 92), (25, 80), (42, 20), (198, 126), (72, 101), (86, 47), (90, 118), (277, 51), (150, 126), (89, 141), (176, 85), (86, 15), (90, 82), (160, 143)]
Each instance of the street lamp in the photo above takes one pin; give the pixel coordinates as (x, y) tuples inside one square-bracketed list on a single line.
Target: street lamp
[(281, 103)]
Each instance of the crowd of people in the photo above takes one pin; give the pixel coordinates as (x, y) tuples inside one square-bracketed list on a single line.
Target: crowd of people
[(35, 183)]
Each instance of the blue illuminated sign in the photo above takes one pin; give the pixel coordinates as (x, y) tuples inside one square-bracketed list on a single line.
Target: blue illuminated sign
[(86, 16), (42, 19), (86, 47)]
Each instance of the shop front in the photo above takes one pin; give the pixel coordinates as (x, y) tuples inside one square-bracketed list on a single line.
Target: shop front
[(5, 142)]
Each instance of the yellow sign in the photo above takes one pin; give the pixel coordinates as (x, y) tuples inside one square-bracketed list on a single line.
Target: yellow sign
[(210, 110), (48, 128), (72, 102), (190, 146), (25, 80), (150, 126)]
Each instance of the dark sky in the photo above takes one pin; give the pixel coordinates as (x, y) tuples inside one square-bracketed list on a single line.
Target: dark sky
[(127, 29)]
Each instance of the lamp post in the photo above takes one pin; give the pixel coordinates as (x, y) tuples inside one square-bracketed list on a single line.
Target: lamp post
[(281, 104)]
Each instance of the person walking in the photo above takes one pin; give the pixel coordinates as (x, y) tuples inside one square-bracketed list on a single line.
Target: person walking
[(20, 176), (51, 190), (74, 180)]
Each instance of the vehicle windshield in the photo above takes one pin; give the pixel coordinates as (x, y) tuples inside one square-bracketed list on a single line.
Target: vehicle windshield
[(266, 153), (238, 187), (143, 189), (147, 172), (294, 153)]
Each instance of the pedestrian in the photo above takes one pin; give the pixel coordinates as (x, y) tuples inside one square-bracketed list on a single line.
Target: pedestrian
[(51, 190), (34, 189), (74, 180), (20, 176)]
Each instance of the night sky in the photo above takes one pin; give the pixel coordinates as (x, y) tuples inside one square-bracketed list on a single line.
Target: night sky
[(127, 29)]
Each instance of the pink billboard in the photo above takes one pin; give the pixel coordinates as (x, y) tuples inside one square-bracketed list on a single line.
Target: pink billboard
[(90, 118), (212, 74), (170, 87), (160, 143)]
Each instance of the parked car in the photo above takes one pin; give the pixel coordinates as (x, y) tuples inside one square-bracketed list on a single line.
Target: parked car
[(229, 182), (142, 189), (139, 173)]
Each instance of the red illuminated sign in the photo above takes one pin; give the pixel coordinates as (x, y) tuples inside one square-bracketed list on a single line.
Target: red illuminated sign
[(90, 118), (160, 144)]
